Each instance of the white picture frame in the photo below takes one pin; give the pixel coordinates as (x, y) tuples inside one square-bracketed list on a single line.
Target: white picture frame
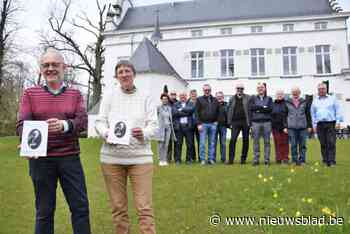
[(120, 132), (34, 139)]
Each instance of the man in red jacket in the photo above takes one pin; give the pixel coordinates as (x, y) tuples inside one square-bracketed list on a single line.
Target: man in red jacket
[(63, 109)]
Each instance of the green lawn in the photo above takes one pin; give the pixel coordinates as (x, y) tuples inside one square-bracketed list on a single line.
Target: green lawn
[(186, 196)]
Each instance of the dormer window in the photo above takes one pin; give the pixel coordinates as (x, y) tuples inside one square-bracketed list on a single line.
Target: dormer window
[(197, 33), (288, 27), (321, 25), (256, 29), (226, 31)]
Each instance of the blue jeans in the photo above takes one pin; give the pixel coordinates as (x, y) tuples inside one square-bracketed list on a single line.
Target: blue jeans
[(297, 139), (208, 129), (221, 133), (45, 173)]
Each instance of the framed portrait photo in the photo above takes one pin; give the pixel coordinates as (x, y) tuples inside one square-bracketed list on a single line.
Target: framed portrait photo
[(34, 139), (120, 132)]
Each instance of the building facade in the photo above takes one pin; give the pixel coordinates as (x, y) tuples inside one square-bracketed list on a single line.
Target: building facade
[(221, 42)]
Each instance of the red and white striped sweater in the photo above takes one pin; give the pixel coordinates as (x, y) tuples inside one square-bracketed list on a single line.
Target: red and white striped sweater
[(39, 104)]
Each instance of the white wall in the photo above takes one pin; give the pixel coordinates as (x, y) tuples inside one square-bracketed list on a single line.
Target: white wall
[(154, 83)]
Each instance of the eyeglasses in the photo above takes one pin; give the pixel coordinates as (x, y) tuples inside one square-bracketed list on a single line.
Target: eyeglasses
[(47, 65)]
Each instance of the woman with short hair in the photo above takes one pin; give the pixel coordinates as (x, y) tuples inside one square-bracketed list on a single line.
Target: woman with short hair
[(166, 129)]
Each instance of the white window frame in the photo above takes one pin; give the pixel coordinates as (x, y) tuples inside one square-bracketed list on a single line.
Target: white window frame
[(226, 31), (227, 59), (323, 25), (197, 59), (323, 54), (288, 27), (197, 33), (257, 29), (257, 56), (289, 55)]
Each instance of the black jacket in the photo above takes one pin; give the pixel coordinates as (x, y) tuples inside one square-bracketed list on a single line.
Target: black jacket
[(260, 110), (222, 116), (207, 112), (178, 112), (279, 115), (231, 108)]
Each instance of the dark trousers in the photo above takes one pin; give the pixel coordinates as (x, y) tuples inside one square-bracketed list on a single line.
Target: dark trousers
[(235, 130), (327, 136), (45, 173), (221, 134), (189, 137)]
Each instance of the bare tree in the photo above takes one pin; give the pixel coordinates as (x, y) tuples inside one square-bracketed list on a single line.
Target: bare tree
[(90, 57), (8, 26)]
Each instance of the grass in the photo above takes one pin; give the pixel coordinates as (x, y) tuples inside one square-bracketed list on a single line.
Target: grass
[(186, 196)]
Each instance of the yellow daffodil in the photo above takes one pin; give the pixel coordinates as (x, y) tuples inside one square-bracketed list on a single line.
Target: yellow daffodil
[(292, 170), (265, 180), (303, 199), (316, 170), (275, 195), (271, 178), (260, 176), (317, 163), (289, 180), (326, 210), (309, 200), (334, 214), (297, 214), (281, 210)]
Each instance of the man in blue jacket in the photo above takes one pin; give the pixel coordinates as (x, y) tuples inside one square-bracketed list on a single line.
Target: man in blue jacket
[(183, 126)]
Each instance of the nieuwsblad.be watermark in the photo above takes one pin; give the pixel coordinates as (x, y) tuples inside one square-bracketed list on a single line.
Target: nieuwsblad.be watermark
[(217, 219)]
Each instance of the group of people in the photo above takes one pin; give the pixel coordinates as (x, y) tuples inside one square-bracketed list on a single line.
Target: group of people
[(203, 118), (207, 119)]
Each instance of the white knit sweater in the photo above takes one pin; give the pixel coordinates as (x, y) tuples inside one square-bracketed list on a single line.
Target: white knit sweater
[(138, 107)]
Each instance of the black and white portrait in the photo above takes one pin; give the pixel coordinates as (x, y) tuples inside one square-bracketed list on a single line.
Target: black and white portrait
[(120, 129), (34, 139)]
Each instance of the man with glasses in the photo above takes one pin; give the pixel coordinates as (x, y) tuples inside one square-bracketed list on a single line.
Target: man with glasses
[(326, 118), (63, 109), (207, 111), (238, 120)]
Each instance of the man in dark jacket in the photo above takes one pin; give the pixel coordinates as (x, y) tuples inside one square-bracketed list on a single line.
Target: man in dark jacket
[(238, 120), (279, 123), (221, 129), (260, 107), (299, 124), (193, 99), (207, 110), (183, 127), (171, 147)]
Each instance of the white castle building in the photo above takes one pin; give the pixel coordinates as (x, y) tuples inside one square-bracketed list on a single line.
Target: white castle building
[(282, 43)]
